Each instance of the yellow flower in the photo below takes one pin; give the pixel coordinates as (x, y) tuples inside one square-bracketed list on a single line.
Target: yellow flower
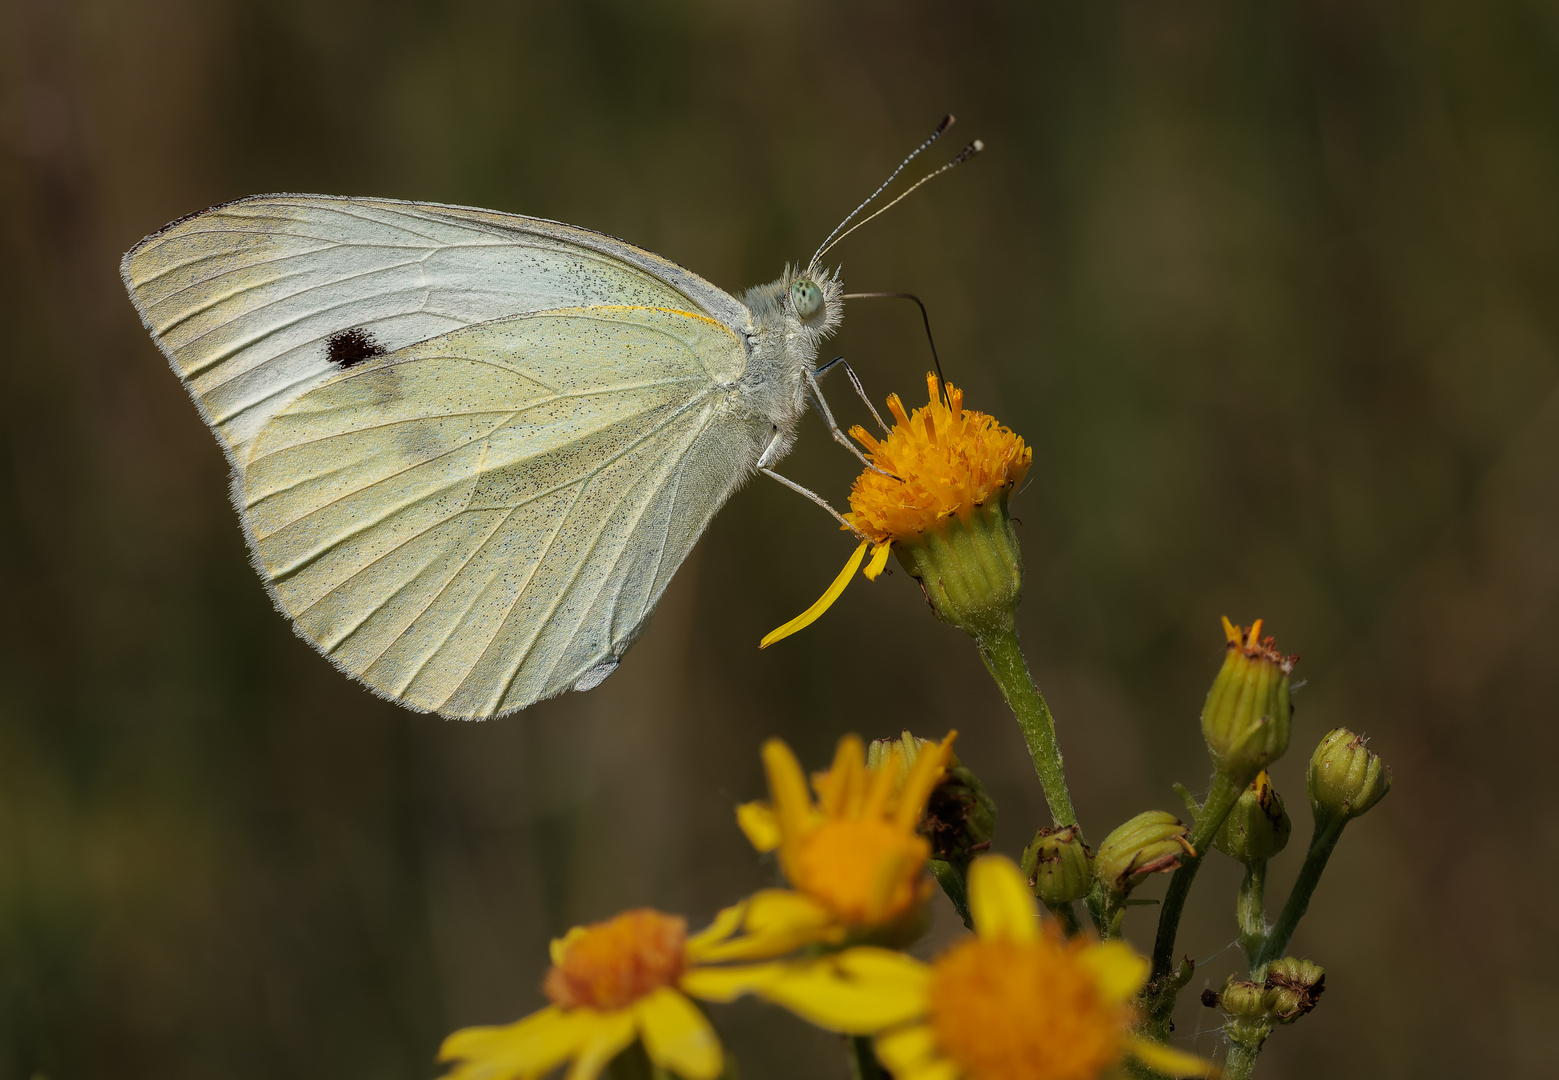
[(946, 462), (1017, 1001), (610, 983), (853, 857)]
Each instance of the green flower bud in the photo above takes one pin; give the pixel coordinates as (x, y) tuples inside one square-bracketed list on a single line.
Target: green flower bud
[(1150, 843), (1246, 718), (1258, 826), (1346, 777), (969, 567), (1292, 988), (1059, 865), (960, 818)]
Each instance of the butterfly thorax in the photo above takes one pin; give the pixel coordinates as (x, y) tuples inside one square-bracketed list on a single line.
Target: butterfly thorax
[(782, 347)]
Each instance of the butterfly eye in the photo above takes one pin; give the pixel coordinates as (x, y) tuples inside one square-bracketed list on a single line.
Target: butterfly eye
[(807, 297)]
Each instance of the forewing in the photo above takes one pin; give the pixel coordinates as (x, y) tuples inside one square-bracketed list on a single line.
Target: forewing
[(476, 522), (247, 298)]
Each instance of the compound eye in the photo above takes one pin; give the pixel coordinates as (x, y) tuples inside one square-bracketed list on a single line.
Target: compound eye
[(807, 297)]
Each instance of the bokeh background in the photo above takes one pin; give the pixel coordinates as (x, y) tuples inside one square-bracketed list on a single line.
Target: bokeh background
[(1271, 289)]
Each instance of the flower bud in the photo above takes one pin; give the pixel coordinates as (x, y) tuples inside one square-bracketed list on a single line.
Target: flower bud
[(1246, 718), (1150, 843), (960, 818), (1346, 777), (1292, 988), (1059, 865), (1258, 826)]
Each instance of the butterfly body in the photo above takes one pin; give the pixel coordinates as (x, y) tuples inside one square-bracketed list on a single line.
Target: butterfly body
[(469, 449)]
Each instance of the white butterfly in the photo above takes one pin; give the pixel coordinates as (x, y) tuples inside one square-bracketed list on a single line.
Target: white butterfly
[(469, 449)]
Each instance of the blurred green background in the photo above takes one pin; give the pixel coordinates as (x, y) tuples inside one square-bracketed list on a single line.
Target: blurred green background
[(1269, 287)]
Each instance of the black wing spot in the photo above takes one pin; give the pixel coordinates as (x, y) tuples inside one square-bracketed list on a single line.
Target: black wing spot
[(351, 347)]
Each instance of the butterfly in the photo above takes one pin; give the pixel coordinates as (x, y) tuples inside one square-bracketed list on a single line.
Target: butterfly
[(469, 449)]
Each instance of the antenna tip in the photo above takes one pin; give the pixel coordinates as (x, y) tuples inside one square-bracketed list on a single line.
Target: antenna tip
[(977, 146), (947, 122)]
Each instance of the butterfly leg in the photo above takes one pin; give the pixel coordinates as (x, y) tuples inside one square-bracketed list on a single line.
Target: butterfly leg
[(860, 391), (833, 427), (814, 496)]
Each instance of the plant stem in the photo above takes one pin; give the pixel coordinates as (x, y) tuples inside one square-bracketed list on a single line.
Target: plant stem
[(1241, 1061), (954, 877), (1004, 660), (1249, 910), (1322, 841), (1221, 798), (863, 1059), (1067, 914)]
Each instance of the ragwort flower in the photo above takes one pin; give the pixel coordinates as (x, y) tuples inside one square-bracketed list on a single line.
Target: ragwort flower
[(1016, 1001), (853, 858), (610, 983), (940, 503)]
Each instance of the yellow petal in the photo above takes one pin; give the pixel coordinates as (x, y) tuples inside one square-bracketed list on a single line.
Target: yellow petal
[(1000, 900), (1168, 1060), (677, 1037), (792, 803), (936, 1069), (859, 995), (607, 1037), (845, 779), (760, 824), (824, 602), (923, 777), (773, 922), (1118, 968), (879, 561), (530, 1047), (726, 922), (906, 1049)]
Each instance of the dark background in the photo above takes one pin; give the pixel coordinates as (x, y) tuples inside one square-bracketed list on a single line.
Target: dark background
[(1270, 288)]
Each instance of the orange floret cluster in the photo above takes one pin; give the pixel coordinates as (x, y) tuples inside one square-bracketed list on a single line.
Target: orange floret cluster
[(945, 460)]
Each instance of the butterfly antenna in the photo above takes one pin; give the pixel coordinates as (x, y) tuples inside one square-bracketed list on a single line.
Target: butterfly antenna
[(936, 361), (963, 155), (947, 122)]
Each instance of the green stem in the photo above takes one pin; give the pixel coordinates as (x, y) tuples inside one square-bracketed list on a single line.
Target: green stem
[(1220, 800), (1067, 915), (1249, 909), (1322, 841), (1004, 660), (863, 1059), (1241, 1061), (954, 878)]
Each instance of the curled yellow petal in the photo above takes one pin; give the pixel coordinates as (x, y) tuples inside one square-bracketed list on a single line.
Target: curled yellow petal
[(879, 561), (824, 602), (759, 824)]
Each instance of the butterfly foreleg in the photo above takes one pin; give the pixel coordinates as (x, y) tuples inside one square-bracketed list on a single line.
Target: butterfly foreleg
[(860, 391), (833, 427)]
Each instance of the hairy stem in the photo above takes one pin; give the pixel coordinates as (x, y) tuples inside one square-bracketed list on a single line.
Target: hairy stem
[(1249, 910), (1220, 800), (1004, 660), (1322, 841), (1241, 1062)]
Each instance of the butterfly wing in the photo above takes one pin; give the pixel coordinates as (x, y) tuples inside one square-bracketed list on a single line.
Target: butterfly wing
[(483, 520), (246, 298), (466, 504)]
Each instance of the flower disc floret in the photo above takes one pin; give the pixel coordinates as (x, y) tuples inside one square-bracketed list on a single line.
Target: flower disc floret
[(612, 964), (944, 460)]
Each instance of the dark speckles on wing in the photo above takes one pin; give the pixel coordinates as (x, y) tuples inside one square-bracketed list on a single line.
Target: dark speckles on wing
[(350, 347)]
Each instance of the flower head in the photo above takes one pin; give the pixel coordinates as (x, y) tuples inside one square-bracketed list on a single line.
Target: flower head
[(1247, 716), (945, 475), (950, 460), (1017, 1001), (610, 983), (853, 856)]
